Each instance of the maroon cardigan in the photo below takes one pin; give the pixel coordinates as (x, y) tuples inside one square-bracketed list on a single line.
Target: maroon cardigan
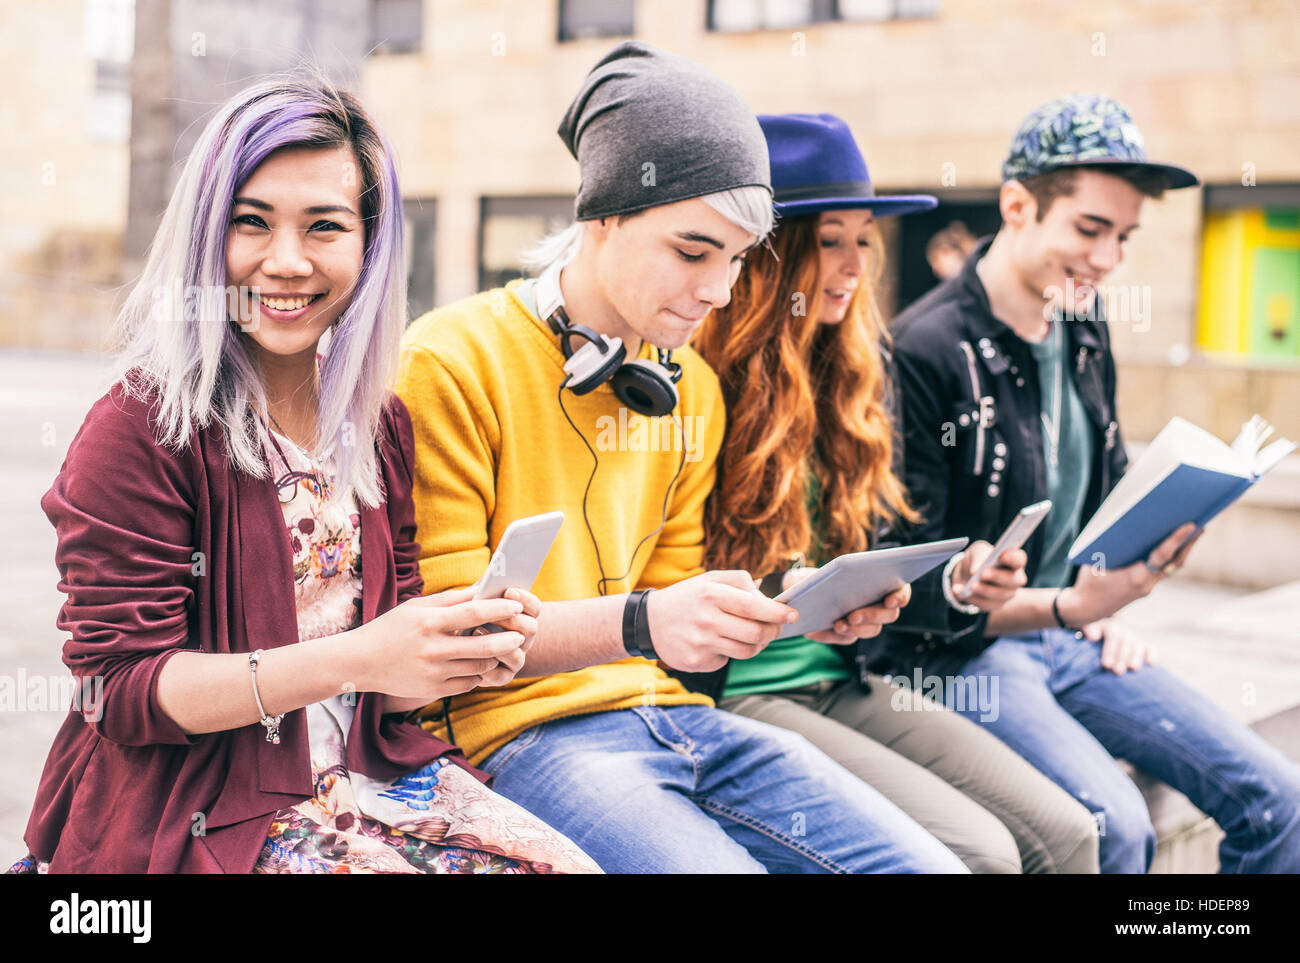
[(124, 792)]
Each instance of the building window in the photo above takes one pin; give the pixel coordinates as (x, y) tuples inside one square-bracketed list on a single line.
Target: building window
[(396, 26), (420, 255), (867, 10), (1249, 304), (508, 226), (581, 19), (110, 42), (732, 16)]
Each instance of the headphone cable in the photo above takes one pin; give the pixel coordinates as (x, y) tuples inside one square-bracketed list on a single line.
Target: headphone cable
[(602, 584)]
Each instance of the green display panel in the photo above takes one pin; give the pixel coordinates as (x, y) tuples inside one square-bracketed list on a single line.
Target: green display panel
[(1275, 304), (1282, 219)]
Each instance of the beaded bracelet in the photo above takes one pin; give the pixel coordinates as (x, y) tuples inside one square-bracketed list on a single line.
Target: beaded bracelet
[(965, 608)]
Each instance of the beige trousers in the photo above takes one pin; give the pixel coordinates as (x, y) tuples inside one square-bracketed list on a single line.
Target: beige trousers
[(994, 810)]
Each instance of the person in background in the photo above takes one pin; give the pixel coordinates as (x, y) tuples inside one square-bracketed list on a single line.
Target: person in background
[(947, 249)]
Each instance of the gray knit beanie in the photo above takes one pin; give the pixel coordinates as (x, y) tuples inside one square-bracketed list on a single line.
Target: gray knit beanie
[(649, 127)]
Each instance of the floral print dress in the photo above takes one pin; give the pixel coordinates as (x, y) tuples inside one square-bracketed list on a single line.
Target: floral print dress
[(439, 819)]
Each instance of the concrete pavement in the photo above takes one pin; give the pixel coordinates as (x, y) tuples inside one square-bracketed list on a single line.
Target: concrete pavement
[(1242, 649)]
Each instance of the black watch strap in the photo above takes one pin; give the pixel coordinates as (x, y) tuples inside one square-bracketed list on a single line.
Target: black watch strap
[(1056, 613), (636, 625)]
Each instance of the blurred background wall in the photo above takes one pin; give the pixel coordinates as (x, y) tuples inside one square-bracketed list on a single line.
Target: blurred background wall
[(106, 97)]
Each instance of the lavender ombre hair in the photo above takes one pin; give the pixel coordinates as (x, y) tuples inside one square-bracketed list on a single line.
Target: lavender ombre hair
[(195, 357)]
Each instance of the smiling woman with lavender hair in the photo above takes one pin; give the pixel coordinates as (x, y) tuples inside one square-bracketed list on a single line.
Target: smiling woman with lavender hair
[(212, 516)]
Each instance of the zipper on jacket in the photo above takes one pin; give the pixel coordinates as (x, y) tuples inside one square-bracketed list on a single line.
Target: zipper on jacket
[(980, 404)]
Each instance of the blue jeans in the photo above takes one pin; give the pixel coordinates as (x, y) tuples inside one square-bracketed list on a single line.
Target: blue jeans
[(692, 789), (1065, 713)]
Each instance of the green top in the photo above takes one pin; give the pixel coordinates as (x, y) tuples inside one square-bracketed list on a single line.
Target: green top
[(794, 662), (1068, 478)]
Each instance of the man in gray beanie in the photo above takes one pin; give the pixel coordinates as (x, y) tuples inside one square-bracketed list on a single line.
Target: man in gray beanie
[(650, 128), (564, 393)]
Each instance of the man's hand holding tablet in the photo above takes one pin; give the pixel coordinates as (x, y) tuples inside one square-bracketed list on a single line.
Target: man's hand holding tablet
[(853, 596)]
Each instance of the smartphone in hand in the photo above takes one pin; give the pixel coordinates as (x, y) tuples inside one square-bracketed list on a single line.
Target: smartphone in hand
[(518, 558), (1017, 533)]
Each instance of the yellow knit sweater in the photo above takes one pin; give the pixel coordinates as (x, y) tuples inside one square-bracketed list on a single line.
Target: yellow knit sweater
[(480, 378)]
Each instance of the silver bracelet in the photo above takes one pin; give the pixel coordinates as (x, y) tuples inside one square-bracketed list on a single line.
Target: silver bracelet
[(271, 723), (965, 608)]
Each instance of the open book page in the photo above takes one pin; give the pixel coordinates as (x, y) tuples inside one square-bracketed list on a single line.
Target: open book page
[(1268, 459), (1178, 442), (1250, 445), (1253, 434), (1193, 445), (1178, 455)]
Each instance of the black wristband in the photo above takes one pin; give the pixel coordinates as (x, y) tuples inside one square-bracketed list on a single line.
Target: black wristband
[(644, 642), (1056, 612), (636, 625)]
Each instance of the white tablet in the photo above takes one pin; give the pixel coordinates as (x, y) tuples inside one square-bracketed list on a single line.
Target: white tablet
[(855, 581)]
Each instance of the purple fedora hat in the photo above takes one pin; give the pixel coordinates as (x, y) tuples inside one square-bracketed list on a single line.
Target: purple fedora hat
[(816, 166)]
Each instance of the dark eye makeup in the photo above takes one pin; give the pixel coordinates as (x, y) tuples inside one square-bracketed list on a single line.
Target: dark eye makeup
[(253, 220)]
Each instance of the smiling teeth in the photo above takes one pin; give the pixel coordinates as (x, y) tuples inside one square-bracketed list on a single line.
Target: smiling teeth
[(287, 304)]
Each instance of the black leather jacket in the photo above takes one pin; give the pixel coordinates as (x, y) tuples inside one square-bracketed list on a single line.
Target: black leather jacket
[(974, 444)]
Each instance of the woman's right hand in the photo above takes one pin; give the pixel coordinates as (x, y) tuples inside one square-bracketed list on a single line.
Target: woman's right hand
[(415, 650)]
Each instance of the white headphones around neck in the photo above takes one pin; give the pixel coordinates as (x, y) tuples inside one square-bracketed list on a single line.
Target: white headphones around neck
[(647, 387)]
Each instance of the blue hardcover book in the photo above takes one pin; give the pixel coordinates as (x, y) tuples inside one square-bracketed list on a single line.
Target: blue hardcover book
[(1185, 475)]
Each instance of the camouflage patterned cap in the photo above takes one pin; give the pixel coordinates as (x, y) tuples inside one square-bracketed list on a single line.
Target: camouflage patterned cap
[(1082, 129)]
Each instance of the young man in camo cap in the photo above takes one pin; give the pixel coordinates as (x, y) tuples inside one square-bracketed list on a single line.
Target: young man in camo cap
[(513, 394), (1008, 390)]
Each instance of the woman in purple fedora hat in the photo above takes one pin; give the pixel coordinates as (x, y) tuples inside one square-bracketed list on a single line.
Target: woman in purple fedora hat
[(809, 471)]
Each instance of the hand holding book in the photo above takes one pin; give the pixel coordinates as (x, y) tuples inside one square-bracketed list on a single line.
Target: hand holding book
[(1099, 593), (1185, 473)]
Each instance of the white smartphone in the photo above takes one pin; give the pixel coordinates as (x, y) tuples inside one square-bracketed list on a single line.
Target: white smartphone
[(518, 558), (1017, 533)]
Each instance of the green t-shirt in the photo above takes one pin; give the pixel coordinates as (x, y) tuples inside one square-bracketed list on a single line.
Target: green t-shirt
[(794, 662), (1068, 477)]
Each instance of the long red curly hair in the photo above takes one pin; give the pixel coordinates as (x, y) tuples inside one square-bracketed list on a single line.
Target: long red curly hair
[(800, 396)]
